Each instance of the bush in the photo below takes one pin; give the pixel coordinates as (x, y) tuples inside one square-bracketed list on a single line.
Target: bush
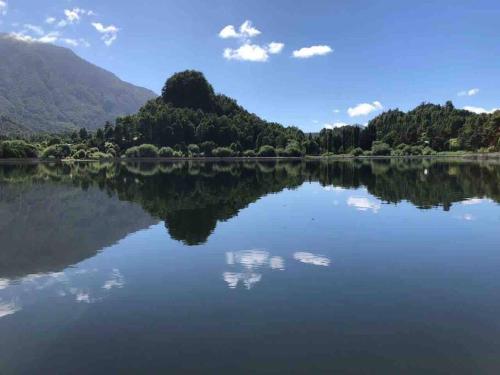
[(18, 150), (100, 155), (294, 150), (266, 151), (428, 151), (249, 153), (166, 152), (59, 151), (80, 154), (380, 149), (367, 153), (207, 147), (178, 154), (222, 152), (357, 152), (142, 151), (454, 144), (193, 150)]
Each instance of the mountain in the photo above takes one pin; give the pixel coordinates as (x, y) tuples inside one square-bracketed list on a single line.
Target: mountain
[(44, 87)]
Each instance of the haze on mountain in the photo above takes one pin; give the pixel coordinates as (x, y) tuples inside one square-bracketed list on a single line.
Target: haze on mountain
[(48, 88)]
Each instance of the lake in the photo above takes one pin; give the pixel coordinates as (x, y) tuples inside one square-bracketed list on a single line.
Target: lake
[(381, 266)]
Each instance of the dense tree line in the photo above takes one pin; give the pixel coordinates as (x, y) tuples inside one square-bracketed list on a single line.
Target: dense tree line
[(190, 119)]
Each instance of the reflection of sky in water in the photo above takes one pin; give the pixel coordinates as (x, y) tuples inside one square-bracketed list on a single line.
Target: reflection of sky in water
[(77, 285), (250, 261), (309, 258)]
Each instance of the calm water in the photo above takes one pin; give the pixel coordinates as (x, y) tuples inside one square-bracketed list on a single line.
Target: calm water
[(343, 267)]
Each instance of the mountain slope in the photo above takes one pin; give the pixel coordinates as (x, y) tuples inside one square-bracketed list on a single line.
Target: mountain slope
[(44, 87)]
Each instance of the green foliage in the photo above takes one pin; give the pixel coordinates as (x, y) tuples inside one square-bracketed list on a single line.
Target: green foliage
[(166, 152), (193, 150), (380, 149), (142, 151), (454, 144), (17, 149), (357, 151), (249, 153), (266, 151), (221, 152), (57, 151)]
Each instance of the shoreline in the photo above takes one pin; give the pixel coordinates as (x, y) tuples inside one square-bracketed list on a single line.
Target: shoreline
[(468, 156)]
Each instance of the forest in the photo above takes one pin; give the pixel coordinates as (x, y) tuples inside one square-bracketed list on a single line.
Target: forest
[(189, 119)]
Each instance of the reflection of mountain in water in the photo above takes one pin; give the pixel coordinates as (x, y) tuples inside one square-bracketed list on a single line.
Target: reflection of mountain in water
[(44, 227), (52, 216)]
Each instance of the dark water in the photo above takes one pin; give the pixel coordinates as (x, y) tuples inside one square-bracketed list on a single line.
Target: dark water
[(345, 267)]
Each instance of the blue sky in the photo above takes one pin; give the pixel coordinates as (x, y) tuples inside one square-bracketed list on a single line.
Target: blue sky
[(366, 56)]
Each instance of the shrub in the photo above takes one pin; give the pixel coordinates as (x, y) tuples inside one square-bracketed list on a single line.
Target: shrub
[(148, 151), (193, 150), (166, 152), (178, 154), (132, 152), (249, 153), (380, 149), (207, 147), (100, 155), (281, 152), (454, 144), (293, 149), (59, 151), (80, 154), (142, 151), (222, 152), (367, 153), (266, 151), (428, 151), (17, 149), (357, 152)]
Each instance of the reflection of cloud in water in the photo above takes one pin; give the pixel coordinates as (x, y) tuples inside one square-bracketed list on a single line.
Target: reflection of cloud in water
[(363, 204), (81, 285), (250, 260), (466, 217), (116, 280), (474, 201), (4, 283), (310, 258), (333, 188), (8, 308), (248, 278)]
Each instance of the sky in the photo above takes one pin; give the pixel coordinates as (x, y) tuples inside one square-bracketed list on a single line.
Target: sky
[(311, 64)]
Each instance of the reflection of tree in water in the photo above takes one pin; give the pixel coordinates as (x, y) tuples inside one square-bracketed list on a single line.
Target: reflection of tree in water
[(192, 197)]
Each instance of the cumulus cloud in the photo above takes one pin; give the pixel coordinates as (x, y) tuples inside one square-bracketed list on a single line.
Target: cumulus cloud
[(246, 30), (50, 20), (8, 308), (75, 42), (274, 47), (3, 7), (247, 52), (470, 92), (47, 38), (480, 110), (335, 125), (364, 109), (109, 33), (307, 52)]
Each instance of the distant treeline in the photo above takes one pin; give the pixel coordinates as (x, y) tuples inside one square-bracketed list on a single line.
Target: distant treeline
[(190, 119)]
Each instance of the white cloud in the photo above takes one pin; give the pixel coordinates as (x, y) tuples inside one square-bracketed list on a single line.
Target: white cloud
[(247, 30), (274, 47), (47, 38), (480, 110), (363, 204), (62, 23), (3, 7), (336, 111), (4, 283), (75, 14), (335, 125), (109, 32), (364, 109), (35, 29), (247, 52), (50, 20), (470, 92), (310, 258), (307, 52)]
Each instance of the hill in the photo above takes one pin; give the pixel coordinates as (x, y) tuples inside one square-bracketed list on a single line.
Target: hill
[(48, 88)]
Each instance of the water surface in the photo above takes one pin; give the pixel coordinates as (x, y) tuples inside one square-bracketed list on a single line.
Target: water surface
[(340, 267)]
